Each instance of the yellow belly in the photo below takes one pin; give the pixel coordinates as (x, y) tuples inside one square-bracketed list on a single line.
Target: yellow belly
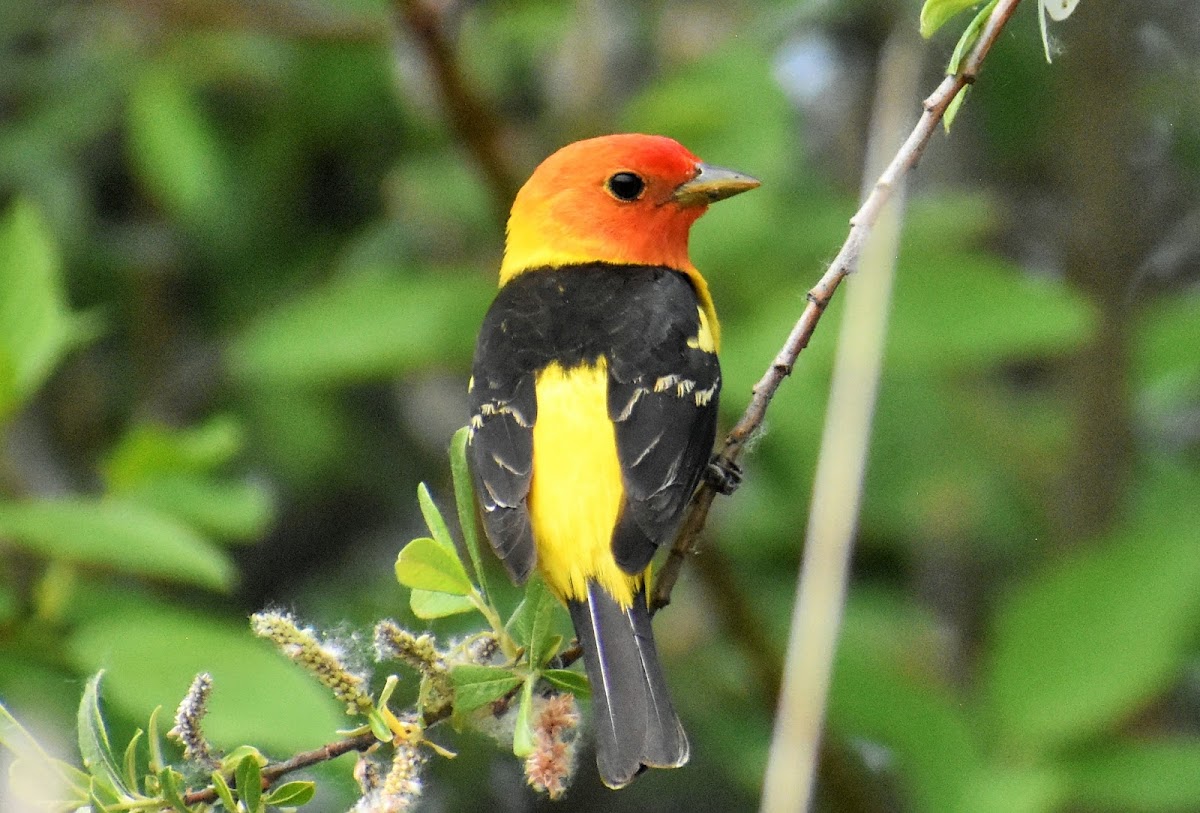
[(576, 493)]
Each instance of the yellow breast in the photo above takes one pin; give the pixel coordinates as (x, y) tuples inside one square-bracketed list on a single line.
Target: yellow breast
[(576, 493)]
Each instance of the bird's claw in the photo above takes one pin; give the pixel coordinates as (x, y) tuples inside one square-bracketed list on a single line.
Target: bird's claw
[(723, 475)]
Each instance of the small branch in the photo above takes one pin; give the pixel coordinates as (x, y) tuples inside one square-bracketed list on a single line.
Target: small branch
[(275, 770), (844, 263), (475, 122)]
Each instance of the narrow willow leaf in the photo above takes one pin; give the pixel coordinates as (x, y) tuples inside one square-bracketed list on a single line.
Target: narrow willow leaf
[(249, 783), (476, 686), (953, 108), (434, 519), (292, 794), (936, 13), (223, 792), (969, 37), (570, 682), (464, 500), (523, 733), (94, 745), (170, 785), (426, 565), (428, 604), (131, 772), (154, 740)]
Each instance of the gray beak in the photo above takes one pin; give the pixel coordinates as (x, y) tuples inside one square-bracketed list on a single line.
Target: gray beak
[(712, 184)]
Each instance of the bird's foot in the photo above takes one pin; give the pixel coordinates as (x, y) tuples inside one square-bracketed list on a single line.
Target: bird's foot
[(723, 475)]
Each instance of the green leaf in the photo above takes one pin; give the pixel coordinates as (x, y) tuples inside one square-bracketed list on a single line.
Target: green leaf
[(292, 794), (543, 643), (94, 746), (139, 642), (884, 691), (226, 509), (118, 534), (347, 331), (171, 786), (1092, 640), (249, 784), (174, 149), (223, 792), (131, 771), (36, 762), (955, 104), (434, 519), (36, 327), (476, 686), (936, 13), (426, 565), (150, 450), (571, 682), (154, 741), (1141, 777), (523, 732), (428, 604), (969, 37), (464, 500), (521, 623)]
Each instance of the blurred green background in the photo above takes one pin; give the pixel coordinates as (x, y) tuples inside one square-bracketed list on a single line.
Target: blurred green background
[(244, 248)]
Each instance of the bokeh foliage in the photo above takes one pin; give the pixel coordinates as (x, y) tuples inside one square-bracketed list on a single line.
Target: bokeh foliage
[(243, 257)]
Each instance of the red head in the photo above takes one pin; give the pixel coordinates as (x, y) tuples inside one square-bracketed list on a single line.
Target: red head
[(615, 199)]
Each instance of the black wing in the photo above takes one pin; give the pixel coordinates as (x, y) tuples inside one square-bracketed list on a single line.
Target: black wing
[(663, 391), (503, 410)]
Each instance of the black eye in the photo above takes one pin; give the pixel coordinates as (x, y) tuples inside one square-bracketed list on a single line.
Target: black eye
[(626, 186)]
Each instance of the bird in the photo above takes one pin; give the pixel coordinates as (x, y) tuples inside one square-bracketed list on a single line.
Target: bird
[(593, 408)]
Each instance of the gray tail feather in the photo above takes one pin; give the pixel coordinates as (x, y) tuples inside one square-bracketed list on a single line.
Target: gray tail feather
[(636, 725)]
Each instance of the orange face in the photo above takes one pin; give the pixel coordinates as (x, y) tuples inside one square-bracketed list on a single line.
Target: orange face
[(615, 199)]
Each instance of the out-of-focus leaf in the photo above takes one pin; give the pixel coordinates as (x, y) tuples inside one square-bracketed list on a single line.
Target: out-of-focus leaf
[(152, 652), (883, 691), (49, 776), (429, 604), (475, 686), (118, 534), (1088, 642), (955, 311), (1034, 789), (936, 13), (523, 731), (148, 451), (227, 509), (464, 499), (1168, 333), (94, 746), (361, 327), (426, 565), (1142, 777), (175, 149), (36, 327)]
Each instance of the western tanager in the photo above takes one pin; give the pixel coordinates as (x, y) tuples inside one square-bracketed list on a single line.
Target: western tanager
[(594, 405)]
